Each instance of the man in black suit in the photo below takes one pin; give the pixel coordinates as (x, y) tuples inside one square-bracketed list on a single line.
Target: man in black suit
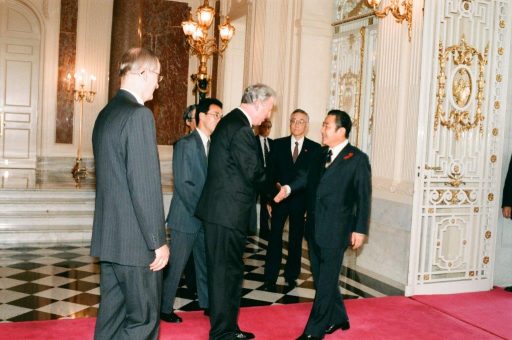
[(187, 233), (338, 186), (228, 206), (264, 147), (128, 232), (507, 201), (290, 155)]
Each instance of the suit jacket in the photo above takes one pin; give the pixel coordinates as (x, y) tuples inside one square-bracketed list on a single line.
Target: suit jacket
[(235, 174), (507, 188), (129, 216), (189, 171), (338, 197), (282, 169), (260, 150)]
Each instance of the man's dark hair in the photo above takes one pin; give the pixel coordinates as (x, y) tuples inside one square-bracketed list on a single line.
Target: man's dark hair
[(187, 114), (204, 106), (342, 121)]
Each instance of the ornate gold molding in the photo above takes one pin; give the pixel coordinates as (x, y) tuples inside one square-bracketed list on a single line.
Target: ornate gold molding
[(462, 93)]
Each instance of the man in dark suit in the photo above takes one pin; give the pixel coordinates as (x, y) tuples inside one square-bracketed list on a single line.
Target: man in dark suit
[(338, 186), (264, 147), (187, 233), (128, 232), (507, 201), (290, 155), (228, 206)]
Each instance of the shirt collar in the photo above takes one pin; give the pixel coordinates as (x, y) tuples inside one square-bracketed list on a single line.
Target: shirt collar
[(301, 140), (338, 148), (203, 136), (137, 97), (248, 117)]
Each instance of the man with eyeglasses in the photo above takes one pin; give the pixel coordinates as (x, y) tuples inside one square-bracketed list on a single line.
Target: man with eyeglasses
[(128, 232), (187, 233), (189, 118), (264, 147), (290, 155)]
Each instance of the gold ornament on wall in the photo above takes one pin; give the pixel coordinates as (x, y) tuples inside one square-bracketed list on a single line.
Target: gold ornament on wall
[(461, 88)]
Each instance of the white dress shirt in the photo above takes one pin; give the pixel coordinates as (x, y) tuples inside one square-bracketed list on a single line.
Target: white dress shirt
[(301, 141), (139, 99), (204, 139)]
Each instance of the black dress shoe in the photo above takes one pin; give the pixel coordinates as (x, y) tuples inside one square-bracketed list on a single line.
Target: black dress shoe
[(508, 289), (239, 334), (291, 283), (305, 336), (206, 311), (170, 317), (333, 328), (269, 286)]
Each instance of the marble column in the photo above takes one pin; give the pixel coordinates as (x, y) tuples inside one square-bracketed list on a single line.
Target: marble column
[(155, 25), (67, 53), (126, 33)]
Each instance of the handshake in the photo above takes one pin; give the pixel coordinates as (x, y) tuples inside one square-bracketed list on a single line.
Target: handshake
[(284, 191)]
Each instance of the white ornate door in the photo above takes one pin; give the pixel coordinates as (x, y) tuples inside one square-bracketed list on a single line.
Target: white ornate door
[(19, 79), (353, 72), (462, 108)]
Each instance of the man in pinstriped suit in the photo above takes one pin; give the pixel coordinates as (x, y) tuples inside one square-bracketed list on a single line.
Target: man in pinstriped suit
[(128, 232)]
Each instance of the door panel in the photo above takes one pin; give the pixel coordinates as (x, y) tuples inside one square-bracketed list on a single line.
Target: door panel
[(19, 57)]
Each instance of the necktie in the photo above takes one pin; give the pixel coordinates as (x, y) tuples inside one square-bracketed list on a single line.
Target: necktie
[(328, 158), (265, 151), (295, 152), (207, 147)]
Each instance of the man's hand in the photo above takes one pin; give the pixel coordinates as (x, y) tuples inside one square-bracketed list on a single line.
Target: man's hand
[(269, 210), (161, 258), (284, 191), (507, 212), (357, 240)]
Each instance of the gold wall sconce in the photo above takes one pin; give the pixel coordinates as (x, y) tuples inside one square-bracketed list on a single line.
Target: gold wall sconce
[(204, 46), (401, 11), (81, 94)]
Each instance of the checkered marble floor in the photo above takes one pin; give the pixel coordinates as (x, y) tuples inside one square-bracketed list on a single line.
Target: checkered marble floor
[(62, 281)]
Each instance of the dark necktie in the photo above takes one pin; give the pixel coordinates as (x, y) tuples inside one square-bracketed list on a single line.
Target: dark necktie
[(295, 152), (328, 158), (265, 151), (207, 147)]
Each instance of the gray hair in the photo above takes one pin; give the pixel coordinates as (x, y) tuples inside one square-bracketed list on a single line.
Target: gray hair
[(257, 92)]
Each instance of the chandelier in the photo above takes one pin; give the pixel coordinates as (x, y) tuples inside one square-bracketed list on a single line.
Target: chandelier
[(204, 46), (395, 9)]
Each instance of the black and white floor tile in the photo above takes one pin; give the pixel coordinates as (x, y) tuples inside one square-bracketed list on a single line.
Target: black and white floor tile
[(40, 282)]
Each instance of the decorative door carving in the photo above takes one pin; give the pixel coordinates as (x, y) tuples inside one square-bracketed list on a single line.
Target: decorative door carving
[(465, 56), (353, 73)]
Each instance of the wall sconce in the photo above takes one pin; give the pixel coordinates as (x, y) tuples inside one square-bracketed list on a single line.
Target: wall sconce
[(204, 46), (395, 8)]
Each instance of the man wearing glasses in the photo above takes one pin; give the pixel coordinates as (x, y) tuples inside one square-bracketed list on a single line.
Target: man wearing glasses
[(290, 156), (190, 160), (189, 118), (128, 232)]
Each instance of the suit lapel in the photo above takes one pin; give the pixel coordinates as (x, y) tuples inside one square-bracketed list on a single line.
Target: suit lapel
[(200, 147), (343, 156)]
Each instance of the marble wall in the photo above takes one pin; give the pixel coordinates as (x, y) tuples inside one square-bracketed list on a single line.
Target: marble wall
[(162, 33), (67, 57)]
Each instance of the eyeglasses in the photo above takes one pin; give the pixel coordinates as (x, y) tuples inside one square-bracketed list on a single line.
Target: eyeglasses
[(297, 122), (217, 115), (160, 78)]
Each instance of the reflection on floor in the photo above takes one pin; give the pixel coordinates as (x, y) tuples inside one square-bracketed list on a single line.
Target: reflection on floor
[(41, 282), (61, 281)]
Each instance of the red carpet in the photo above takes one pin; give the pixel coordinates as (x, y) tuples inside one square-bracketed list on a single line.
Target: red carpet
[(490, 311), (377, 318)]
